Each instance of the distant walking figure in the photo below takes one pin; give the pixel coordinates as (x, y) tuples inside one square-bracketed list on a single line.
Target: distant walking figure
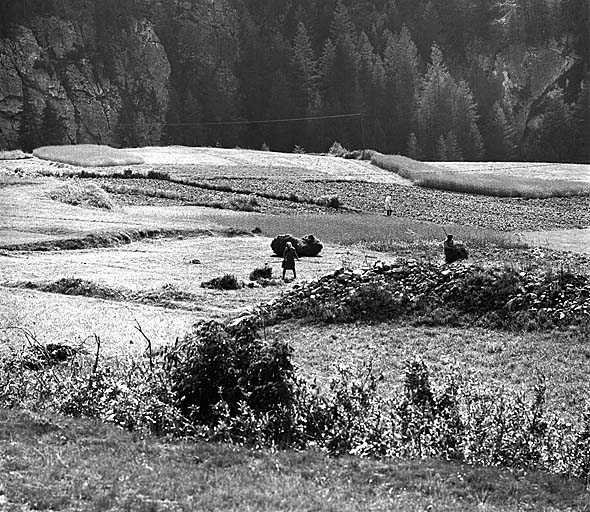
[(289, 257), (388, 205), (453, 252)]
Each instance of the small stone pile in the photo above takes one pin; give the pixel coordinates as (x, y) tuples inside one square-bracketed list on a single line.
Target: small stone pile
[(490, 297)]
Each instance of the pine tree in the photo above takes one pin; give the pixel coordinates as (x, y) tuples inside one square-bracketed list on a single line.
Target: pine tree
[(30, 123), (305, 92), (444, 105), (413, 148), (500, 145), (553, 138), (454, 153), (441, 149), (52, 128), (401, 68)]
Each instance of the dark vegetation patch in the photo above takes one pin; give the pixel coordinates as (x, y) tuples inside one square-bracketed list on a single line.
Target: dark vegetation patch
[(498, 298), (225, 282), (224, 381), (115, 238)]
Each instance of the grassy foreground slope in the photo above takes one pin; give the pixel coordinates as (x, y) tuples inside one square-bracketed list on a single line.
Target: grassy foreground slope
[(61, 464)]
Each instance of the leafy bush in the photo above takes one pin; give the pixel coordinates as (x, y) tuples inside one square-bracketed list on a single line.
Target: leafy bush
[(216, 367), (245, 205), (133, 394), (225, 382), (225, 282)]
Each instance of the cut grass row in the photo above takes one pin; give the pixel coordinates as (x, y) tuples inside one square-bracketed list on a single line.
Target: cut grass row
[(113, 239), (328, 201), (497, 184)]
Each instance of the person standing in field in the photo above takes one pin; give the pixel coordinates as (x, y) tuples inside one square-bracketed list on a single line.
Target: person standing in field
[(388, 205), (289, 257)]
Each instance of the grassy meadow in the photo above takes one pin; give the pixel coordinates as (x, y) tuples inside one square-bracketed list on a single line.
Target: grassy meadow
[(66, 462), (57, 463), (527, 180)]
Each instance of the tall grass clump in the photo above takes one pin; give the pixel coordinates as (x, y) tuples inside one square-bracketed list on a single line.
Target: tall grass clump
[(503, 185), (499, 184), (87, 155), (404, 166), (82, 194)]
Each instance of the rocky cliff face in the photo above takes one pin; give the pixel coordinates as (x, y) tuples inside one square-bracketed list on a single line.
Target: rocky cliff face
[(528, 75), (58, 75)]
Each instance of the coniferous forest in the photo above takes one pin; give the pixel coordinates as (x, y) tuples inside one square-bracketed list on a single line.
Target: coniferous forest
[(433, 79)]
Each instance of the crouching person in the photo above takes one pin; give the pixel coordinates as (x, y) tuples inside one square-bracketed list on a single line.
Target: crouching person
[(453, 251)]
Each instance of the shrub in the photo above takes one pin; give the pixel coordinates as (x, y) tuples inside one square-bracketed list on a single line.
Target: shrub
[(225, 282), (329, 201), (158, 175), (216, 368), (336, 149), (245, 205)]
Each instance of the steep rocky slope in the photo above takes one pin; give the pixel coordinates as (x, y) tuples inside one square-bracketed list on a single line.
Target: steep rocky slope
[(52, 67)]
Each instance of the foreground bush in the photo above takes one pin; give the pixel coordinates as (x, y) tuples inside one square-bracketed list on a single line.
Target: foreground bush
[(223, 382), (217, 367)]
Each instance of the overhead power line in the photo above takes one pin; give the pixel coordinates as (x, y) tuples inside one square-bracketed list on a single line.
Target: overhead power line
[(259, 121)]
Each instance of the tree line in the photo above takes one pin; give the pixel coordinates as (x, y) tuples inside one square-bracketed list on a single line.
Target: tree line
[(424, 73)]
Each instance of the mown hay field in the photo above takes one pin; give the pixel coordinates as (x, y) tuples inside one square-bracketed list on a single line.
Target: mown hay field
[(166, 267)]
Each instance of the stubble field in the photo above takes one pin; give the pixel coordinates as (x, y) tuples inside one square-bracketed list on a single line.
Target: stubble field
[(175, 246)]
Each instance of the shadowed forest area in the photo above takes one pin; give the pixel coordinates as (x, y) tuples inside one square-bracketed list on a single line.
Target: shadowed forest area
[(433, 79)]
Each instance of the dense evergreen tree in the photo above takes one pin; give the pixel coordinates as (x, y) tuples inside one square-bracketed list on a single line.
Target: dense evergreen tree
[(444, 105), (52, 132), (233, 60), (401, 69)]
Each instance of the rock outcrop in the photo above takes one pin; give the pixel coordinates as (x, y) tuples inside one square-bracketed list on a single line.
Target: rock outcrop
[(56, 86)]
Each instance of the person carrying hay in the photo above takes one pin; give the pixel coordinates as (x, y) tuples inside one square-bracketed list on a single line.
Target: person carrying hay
[(453, 252), (289, 257)]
